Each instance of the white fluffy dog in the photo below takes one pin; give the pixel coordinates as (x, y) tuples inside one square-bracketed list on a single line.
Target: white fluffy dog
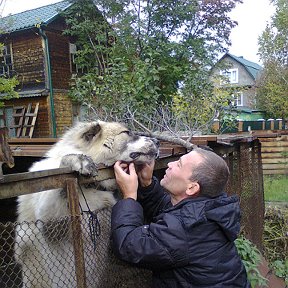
[(43, 241)]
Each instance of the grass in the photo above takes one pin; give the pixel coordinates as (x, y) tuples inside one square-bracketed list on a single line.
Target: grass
[(276, 188)]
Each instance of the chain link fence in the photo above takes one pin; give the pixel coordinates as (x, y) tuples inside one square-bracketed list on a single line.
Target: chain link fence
[(41, 255), (246, 180)]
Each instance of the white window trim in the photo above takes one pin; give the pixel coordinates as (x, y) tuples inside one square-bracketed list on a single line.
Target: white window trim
[(236, 97), (230, 71)]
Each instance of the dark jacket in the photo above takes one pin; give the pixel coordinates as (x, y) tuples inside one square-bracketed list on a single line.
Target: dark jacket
[(186, 245)]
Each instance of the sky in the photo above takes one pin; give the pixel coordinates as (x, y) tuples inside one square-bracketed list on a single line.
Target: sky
[(252, 17)]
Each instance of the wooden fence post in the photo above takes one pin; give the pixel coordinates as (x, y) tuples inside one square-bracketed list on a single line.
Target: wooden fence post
[(73, 200), (240, 125), (279, 123)]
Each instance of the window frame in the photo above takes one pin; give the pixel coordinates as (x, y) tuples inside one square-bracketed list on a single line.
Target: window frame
[(236, 101), (6, 67), (228, 74)]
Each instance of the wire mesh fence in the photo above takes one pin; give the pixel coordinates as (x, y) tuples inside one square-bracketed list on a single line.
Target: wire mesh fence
[(246, 180), (40, 254)]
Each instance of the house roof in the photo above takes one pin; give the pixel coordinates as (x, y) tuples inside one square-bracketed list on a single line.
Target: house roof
[(30, 18), (251, 67)]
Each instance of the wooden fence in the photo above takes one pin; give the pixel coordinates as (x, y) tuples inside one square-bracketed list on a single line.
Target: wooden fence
[(249, 126), (274, 155)]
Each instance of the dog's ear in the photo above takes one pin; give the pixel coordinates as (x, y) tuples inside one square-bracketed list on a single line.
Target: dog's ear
[(93, 130)]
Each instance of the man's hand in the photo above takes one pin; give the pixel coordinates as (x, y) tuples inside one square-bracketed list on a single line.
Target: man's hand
[(126, 179), (145, 173)]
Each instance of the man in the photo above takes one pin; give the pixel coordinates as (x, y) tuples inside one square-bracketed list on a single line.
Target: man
[(192, 223)]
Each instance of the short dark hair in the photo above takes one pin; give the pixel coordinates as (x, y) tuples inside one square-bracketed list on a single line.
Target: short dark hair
[(211, 174)]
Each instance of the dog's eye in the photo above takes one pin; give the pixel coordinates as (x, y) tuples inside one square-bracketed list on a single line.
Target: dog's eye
[(129, 133), (134, 155)]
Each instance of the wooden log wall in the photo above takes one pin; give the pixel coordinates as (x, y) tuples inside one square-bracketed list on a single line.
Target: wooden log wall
[(60, 59), (275, 155), (28, 59), (63, 111)]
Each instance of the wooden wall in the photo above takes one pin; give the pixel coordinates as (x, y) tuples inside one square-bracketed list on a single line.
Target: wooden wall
[(28, 59), (43, 125), (29, 64), (275, 155), (63, 111), (60, 59)]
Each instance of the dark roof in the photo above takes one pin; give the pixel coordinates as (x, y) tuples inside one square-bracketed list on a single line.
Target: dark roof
[(29, 19), (251, 67)]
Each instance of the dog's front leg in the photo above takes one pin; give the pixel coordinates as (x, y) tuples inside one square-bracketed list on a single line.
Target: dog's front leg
[(80, 163)]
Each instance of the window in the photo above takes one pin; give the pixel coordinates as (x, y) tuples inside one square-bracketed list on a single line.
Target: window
[(73, 65), (6, 61), (231, 75), (238, 99), (6, 120)]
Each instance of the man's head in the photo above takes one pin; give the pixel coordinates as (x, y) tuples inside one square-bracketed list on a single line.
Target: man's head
[(199, 172)]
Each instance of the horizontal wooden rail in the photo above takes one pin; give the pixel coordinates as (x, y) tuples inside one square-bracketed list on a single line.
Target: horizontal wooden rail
[(13, 185)]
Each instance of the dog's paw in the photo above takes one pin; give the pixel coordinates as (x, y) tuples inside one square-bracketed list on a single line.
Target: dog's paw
[(80, 163)]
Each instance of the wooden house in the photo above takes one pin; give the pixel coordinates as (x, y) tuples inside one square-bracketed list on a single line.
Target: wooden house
[(241, 74), (41, 57)]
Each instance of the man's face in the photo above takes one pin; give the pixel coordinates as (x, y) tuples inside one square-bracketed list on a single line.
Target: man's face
[(176, 179)]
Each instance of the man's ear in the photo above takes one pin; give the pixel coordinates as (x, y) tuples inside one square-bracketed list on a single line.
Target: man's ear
[(193, 189)]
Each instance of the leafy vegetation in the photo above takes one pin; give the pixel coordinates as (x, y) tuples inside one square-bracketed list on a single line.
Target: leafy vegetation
[(7, 85), (251, 258), (273, 43), (281, 269), (142, 55), (276, 240)]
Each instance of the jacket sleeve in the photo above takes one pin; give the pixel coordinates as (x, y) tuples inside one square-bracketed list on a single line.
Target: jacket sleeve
[(153, 199), (156, 246)]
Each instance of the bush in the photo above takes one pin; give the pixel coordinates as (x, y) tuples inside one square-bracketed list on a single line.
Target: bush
[(276, 240), (251, 258)]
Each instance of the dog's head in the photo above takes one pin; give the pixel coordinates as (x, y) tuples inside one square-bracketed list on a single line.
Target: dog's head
[(107, 142)]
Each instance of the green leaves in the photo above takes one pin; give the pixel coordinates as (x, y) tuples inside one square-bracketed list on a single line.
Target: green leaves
[(273, 50), (250, 256), (7, 86), (149, 52)]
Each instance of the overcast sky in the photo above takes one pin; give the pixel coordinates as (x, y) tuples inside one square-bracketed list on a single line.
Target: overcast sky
[(252, 17)]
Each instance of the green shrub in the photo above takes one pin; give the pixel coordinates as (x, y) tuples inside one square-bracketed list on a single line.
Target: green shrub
[(281, 269), (276, 240), (251, 258)]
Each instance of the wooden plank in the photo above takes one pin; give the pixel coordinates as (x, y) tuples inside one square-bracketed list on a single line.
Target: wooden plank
[(26, 120), (13, 185), (29, 153), (274, 144), (273, 149), (272, 155), (275, 166), (276, 139), (274, 160), (73, 200), (32, 140), (275, 172), (33, 122), (18, 115), (29, 147)]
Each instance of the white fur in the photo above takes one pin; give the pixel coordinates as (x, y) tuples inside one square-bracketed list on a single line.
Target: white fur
[(48, 263)]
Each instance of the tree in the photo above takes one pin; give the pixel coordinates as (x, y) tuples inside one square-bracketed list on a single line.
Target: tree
[(7, 84), (272, 92), (143, 54)]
